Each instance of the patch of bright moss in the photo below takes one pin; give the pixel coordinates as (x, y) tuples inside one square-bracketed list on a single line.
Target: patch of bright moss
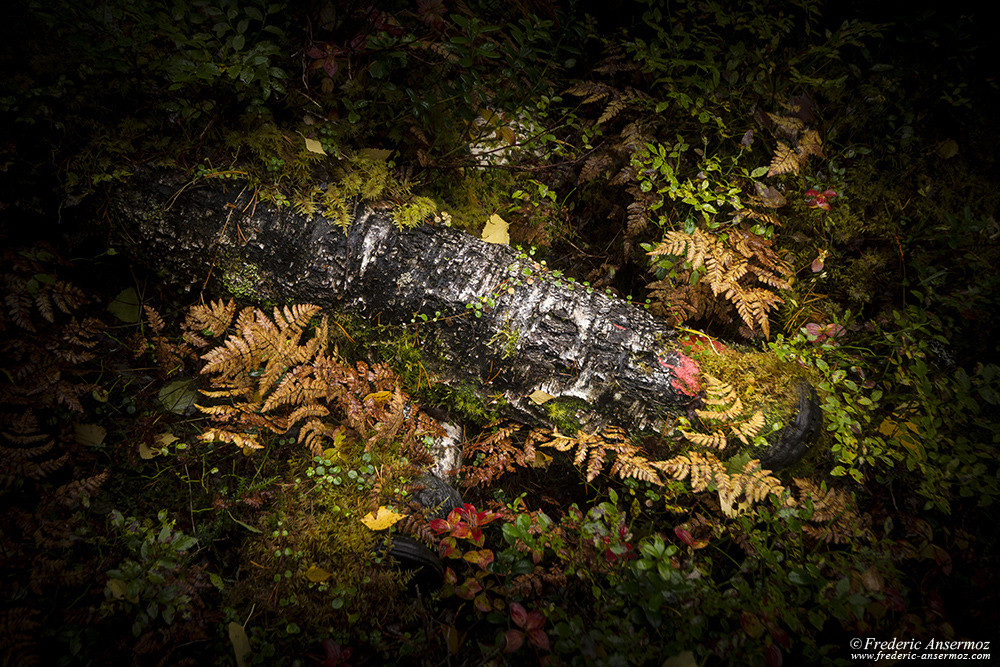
[(564, 413)]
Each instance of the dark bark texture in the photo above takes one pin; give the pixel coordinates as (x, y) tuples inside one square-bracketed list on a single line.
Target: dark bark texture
[(608, 360)]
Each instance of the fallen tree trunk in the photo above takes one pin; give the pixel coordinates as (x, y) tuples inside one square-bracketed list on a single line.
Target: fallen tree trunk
[(491, 315)]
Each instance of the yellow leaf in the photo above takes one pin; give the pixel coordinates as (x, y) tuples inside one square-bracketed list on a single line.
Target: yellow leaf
[(454, 639), (375, 154), (166, 439), (495, 230), (538, 397), (117, 588), (314, 146), (379, 396), (541, 460), (89, 435), (145, 452), (947, 149), (241, 643), (317, 574), (381, 518)]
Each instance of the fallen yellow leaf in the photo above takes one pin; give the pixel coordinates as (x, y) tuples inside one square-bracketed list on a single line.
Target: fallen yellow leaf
[(317, 574), (495, 230), (381, 518)]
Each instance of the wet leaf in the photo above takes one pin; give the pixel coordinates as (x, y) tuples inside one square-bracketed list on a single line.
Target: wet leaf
[(178, 396)]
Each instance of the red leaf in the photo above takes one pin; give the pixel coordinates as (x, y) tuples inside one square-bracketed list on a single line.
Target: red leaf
[(518, 614), (513, 640), (440, 526), (535, 620), (773, 656), (539, 639), (684, 536)]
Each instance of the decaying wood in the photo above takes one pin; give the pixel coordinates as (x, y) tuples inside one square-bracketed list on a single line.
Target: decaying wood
[(609, 360)]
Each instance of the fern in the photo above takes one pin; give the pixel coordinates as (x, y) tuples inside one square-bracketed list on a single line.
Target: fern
[(737, 493), (730, 269)]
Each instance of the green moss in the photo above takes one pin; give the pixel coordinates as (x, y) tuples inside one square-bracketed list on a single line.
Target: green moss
[(506, 340), (762, 380), (564, 412), (245, 280)]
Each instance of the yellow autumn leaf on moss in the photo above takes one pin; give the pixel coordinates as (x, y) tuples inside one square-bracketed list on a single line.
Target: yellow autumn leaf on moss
[(314, 146), (495, 230), (381, 518), (317, 574)]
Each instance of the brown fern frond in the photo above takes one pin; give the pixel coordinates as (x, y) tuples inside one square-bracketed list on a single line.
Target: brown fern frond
[(247, 441), (67, 297), (629, 463), (739, 492), (153, 319), (785, 160), (615, 107), (701, 469), (76, 491), (314, 432), (749, 428), (810, 143), (787, 125), (715, 440), (212, 319), (44, 305), (591, 91)]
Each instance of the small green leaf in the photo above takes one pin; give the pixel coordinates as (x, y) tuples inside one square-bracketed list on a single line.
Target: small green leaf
[(125, 306)]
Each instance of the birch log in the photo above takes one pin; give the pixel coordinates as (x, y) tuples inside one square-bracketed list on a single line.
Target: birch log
[(607, 359)]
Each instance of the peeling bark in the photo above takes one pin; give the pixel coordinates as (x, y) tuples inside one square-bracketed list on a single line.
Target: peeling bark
[(534, 332)]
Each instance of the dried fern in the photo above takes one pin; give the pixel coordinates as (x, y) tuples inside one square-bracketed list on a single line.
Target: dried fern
[(737, 493), (731, 267)]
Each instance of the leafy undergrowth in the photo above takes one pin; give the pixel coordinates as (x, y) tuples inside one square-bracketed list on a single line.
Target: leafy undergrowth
[(211, 483)]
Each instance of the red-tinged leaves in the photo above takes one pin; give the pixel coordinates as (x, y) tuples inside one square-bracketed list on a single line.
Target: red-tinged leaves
[(817, 264), (336, 655), (535, 621), (449, 576), (817, 199), (684, 536), (468, 589), (482, 558), (943, 559), (686, 378), (780, 637), (440, 526), (539, 639), (751, 625), (482, 603), (773, 657), (531, 623), (513, 640), (518, 614), (449, 548)]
